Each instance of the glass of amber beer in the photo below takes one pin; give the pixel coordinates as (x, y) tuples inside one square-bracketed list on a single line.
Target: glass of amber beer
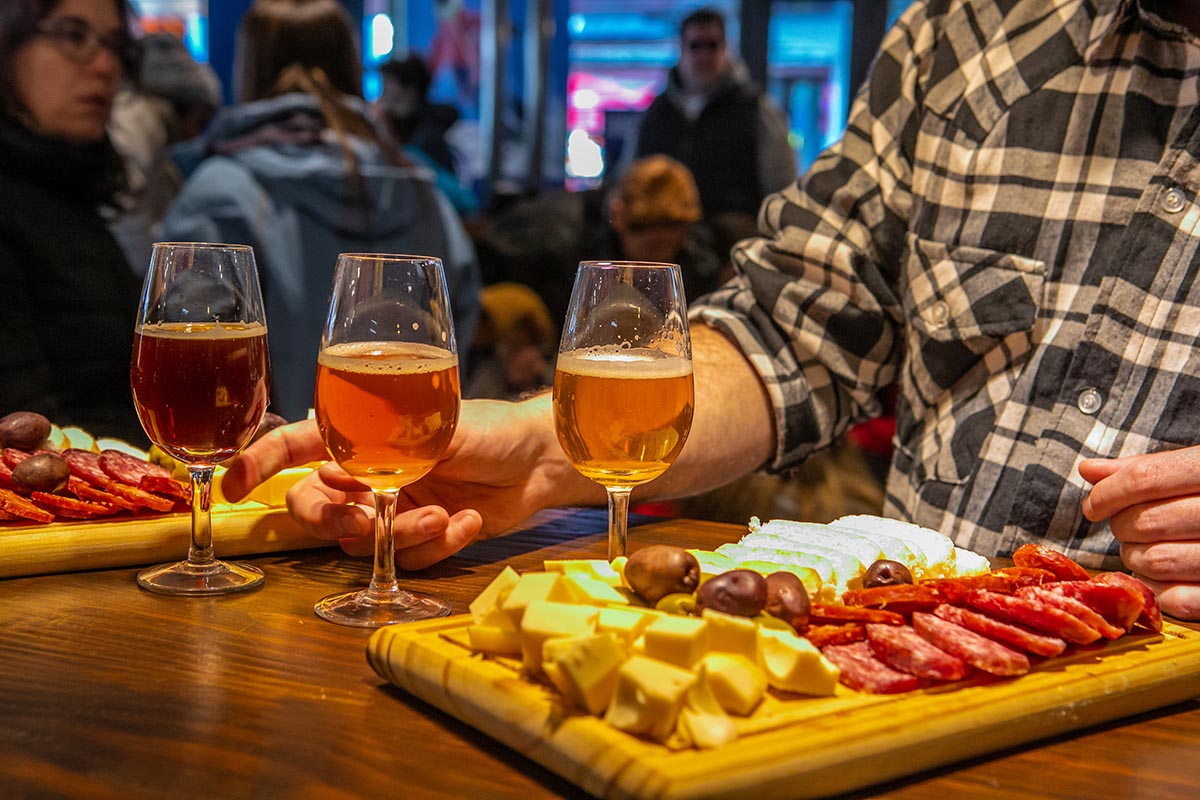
[(623, 393), (199, 379), (387, 405)]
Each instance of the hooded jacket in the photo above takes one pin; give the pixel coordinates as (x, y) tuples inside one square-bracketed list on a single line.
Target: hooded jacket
[(276, 179)]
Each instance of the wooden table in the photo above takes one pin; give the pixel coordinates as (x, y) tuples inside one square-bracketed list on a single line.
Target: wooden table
[(107, 691)]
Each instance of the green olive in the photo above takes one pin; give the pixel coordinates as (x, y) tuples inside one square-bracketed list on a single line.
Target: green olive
[(683, 603)]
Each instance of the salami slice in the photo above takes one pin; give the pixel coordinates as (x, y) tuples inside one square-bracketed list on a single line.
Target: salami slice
[(1075, 608), (902, 648), (822, 614), (18, 506), (129, 469), (6, 481), (1034, 614), (903, 598), (86, 491), (1043, 557), (826, 635), (955, 590), (71, 507), (166, 486), (978, 651), (1120, 605), (7, 517), (143, 499), (1028, 576), (1023, 638), (1151, 616), (13, 456), (85, 464), (861, 670)]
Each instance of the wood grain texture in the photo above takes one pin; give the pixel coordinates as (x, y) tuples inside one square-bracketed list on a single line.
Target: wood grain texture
[(107, 691)]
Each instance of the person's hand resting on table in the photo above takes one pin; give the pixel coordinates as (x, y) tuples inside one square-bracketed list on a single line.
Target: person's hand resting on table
[(1152, 503)]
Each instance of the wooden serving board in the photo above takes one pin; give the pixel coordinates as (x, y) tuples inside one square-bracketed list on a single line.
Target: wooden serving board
[(244, 529), (792, 746)]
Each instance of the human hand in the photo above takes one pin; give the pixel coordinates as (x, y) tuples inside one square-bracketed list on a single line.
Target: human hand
[(1152, 503)]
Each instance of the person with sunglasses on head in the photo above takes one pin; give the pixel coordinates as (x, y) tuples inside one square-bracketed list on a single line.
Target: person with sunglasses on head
[(714, 119), (67, 293)]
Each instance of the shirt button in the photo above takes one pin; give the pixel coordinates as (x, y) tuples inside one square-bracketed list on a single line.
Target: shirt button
[(1089, 401), (939, 313), (1174, 200)]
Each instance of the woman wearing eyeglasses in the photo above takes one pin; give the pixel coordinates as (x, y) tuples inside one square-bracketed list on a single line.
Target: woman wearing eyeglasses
[(67, 295)]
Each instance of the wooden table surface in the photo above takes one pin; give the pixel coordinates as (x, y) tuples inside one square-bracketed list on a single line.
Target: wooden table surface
[(107, 691)]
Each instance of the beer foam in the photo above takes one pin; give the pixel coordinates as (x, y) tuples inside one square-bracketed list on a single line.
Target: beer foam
[(391, 358), (204, 330), (627, 363)]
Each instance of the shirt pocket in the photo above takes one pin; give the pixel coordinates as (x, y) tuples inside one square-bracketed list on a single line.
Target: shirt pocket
[(971, 315)]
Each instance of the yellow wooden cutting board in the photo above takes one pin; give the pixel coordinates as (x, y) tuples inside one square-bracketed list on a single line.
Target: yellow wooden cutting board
[(791, 746)]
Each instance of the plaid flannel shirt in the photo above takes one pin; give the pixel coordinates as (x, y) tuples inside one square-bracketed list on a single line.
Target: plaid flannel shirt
[(1009, 230)]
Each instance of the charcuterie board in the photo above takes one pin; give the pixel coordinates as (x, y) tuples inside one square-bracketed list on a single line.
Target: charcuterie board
[(792, 746), (244, 529)]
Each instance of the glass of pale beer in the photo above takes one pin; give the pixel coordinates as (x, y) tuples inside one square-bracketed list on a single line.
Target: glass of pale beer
[(199, 379), (387, 402), (623, 395)]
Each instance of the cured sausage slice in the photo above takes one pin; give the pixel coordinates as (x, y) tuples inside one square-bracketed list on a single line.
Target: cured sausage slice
[(85, 464), (863, 671), (143, 499), (955, 590), (1073, 607), (168, 486), (1119, 604), (902, 648), (1043, 557), (13, 456), (1151, 616), (86, 491), (978, 651), (903, 598), (1033, 614), (1028, 576), (18, 506), (825, 635), (1027, 640), (71, 507), (129, 469), (822, 614)]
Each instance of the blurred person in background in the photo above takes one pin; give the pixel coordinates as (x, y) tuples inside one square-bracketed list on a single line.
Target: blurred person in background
[(301, 170), (654, 214), (718, 123), (67, 293), (171, 99), (513, 351)]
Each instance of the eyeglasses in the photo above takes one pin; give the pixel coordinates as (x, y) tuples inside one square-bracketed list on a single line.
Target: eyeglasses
[(703, 44), (76, 40)]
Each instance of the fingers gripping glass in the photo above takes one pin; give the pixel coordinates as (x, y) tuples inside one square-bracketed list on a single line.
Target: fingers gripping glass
[(387, 402), (79, 42), (623, 395), (199, 379)]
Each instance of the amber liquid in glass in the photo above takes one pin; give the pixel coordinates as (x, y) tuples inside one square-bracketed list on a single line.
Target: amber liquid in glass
[(622, 418), (387, 410), (200, 389)]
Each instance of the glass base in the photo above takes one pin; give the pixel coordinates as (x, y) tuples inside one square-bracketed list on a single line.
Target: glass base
[(184, 578), (365, 609)]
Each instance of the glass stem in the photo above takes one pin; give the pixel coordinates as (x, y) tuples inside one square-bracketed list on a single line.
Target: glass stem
[(618, 519), (200, 553), (383, 577)]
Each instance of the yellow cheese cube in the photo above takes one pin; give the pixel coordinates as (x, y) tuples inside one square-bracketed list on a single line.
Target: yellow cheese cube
[(648, 697), (596, 568), (737, 683), (702, 720), (676, 640), (493, 595), (585, 668), (728, 633), (530, 587), (794, 664), (592, 591), (544, 620), (627, 623), (495, 640)]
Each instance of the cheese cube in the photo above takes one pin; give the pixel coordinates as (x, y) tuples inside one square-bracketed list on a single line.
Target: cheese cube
[(676, 640), (596, 568), (627, 623), (495, 640), (794, 664), (493, 595), (533, 586), (728, 633), (592, 591), (736, 682), (544, 620), (585, 669), (648, 697), (702, 720)]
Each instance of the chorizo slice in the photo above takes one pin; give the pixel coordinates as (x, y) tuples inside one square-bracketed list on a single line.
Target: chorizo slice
[(1151, 616), (18, 506), (1022, 638), (823, 614), (955, 590), (1074, 607), (902, 648), (826, 635), (978, 651), (86, 491), (1033, 614), (861, 670), (1047, 558), (1028, 576), (71, 507), (1120, 605), (166, 485), (903, 598), (142, 499)]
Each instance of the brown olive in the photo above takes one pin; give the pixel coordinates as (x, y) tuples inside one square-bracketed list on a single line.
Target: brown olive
[(270, 422), (886, 572), (23, 430), (787, 599), (45, 472), (738, 591), (661, 569)]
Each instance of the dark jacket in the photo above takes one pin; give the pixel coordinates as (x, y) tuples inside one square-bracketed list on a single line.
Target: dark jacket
[(67, 295)]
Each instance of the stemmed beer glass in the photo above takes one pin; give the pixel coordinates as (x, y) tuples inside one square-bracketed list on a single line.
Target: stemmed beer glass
[(387, 402), (623, 395), (199, 379)]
